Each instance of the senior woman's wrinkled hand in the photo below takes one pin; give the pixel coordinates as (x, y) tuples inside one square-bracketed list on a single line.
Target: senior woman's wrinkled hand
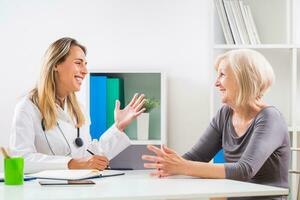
[(166, 162)]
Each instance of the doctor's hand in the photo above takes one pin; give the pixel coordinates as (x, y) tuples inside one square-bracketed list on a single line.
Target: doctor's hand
[(166, 162), (124, 117), (92, 162)]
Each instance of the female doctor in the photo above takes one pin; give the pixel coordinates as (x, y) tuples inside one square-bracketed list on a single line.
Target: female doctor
[(49, 128)]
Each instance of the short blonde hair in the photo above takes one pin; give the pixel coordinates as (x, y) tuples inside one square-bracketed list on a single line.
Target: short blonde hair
[(44, 94), (253, 72)]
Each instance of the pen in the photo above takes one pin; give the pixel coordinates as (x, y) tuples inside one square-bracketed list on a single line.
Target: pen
[(108, 167), (90, 152), (4, 152), (29, 178)]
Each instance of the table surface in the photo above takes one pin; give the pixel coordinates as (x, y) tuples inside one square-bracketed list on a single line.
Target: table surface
[(137, 184)]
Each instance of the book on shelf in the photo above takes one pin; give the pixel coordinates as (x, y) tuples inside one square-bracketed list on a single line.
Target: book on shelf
[(74, 174), (224, 22), (252, 24), (232, 22), (237, 22), (237, 13), (247, 23), (114, 91), (97, 105)]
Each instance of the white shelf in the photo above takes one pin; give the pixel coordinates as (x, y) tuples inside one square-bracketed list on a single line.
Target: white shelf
[(297, 129), (146, 142), (103, 70), (138, 82), (261, 46), (153, 85), (279, 34)]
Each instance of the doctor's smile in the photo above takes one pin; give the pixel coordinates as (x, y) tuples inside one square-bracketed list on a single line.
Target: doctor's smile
[(50, 128)]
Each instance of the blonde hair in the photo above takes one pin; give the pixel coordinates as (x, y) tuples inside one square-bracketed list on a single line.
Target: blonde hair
[(44, 94), (253, 72)]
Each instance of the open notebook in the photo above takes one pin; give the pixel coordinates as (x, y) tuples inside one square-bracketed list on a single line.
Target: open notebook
[(74, 174)]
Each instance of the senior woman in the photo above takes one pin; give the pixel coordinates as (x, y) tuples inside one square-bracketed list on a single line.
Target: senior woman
[(253, 134), (50, 129)]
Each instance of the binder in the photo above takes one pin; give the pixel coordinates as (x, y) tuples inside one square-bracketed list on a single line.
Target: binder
[(97, 105), (114, 91), (219, 157)]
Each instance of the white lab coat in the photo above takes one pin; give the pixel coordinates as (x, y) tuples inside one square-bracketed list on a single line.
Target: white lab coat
[(29, 140)]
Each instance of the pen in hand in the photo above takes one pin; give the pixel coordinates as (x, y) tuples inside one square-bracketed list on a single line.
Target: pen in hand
[(90, 152), (93, 155)]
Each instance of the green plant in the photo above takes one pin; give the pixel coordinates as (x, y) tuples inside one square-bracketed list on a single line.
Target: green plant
[(150, 104)]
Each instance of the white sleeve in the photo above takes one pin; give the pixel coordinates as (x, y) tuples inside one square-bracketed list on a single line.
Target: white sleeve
[(22, 143), (111, 143)]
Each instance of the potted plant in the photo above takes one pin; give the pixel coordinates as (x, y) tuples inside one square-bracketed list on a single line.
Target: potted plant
[(143, 119)]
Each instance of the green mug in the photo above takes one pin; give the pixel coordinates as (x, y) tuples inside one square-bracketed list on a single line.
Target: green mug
[(13, 171)]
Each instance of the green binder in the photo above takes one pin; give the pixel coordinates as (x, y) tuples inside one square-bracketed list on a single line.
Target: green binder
[(114, 91)]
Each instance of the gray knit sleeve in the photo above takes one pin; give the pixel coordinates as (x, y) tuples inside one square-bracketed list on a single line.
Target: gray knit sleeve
[(268, 135), (209, 143)]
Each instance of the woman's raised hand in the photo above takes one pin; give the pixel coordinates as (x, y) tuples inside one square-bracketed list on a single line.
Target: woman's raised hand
[(124, 117)]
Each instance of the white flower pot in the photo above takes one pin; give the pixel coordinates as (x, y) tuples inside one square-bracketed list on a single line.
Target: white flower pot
[(143, 126)]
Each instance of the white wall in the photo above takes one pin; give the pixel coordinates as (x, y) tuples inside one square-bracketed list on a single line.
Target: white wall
[(173, 36)]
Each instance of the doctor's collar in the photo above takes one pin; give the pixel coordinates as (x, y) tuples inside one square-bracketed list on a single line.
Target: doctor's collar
[(61, 102), (64, 115)]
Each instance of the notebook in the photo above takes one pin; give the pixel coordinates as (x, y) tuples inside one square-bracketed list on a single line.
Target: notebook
[(74, 174)]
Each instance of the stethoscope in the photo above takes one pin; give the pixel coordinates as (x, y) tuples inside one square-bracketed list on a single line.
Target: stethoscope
[(78, 140)]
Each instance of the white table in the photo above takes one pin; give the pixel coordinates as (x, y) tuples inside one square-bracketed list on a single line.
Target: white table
[(139, 185)]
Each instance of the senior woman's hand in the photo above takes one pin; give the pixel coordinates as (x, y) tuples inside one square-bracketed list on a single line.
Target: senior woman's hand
[(166, 162)]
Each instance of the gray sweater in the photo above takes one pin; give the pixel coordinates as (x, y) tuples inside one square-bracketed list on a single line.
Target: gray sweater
[(260, 156)]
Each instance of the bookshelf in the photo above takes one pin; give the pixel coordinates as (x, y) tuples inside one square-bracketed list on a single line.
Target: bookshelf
[(152, 84), (278, 26)]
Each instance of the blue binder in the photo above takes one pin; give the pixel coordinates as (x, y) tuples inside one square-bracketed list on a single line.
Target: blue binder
[(97, 105), (219, 157)]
